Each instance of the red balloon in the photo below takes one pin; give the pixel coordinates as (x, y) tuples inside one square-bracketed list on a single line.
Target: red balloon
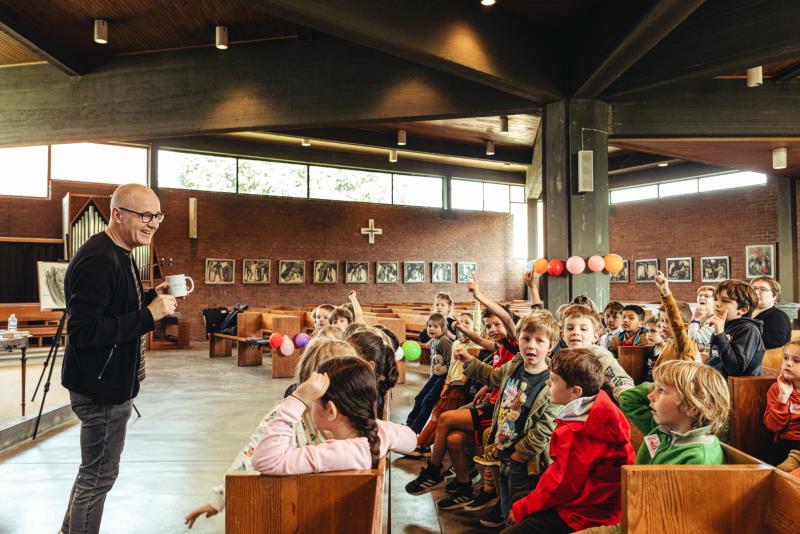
[(276, 339), (555, 267)]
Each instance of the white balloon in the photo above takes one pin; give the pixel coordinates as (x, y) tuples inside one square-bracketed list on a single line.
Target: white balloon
[(398, 354), (287, 347)]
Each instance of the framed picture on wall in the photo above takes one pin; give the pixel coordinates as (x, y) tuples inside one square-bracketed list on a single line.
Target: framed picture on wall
[(325, 271), (441, 272), (386, 272), (51, 275), (255, 271), (291, 271), (759, 260), (679, 269), (623, 276), (646, 270), (413, 272), (220, 271), (356, 272), (466, 271), (715, 268)]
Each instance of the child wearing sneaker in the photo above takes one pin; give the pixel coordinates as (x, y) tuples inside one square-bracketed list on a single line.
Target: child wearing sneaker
[(523, 417), (589, 446)]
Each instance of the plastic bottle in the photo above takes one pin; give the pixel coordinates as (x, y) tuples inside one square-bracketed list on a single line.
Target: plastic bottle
[(12, 323)]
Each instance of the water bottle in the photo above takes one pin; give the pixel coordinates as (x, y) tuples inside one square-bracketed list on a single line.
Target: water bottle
[(12, 323)]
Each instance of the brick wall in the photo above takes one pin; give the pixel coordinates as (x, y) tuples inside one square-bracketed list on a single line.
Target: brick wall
[(241, 226), (719, 223)]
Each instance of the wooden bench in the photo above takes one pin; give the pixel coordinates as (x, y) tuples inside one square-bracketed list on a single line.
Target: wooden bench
[(743, 497), (748, 395), (39, 324)]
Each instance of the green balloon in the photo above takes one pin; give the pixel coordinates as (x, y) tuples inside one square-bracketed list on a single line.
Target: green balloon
[(411, 350)]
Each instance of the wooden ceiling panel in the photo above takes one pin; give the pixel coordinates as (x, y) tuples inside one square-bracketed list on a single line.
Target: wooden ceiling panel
[(773, 69), (12, 52), (472, 130), (751, 154), (137, 26)]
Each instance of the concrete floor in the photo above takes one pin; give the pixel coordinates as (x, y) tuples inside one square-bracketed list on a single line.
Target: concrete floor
[(196, 414), (11, 386)]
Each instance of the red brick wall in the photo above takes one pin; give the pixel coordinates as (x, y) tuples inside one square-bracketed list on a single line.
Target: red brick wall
[(238, 227), (719, 223)]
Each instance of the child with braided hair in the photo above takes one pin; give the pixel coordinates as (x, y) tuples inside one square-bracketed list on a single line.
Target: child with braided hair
[(342, 398)]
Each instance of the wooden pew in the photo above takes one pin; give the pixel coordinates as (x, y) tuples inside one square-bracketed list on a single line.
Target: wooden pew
[(773, 358), (632, 360), (30, 318), (744, 497), (748, 396)]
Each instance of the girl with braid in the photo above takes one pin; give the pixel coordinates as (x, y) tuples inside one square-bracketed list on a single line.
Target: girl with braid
[(342, 398), (376, 350)]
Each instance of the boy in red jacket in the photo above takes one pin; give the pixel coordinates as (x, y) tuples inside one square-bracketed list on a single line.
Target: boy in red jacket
[(589, 446)]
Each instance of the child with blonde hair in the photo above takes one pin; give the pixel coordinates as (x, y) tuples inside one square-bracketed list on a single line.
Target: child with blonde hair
[(782, 414), (322, 316), (342, 399), (680, 414), (316, 352), (443, 305)]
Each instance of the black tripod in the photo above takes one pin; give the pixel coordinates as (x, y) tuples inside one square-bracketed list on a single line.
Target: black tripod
[(52, 355)]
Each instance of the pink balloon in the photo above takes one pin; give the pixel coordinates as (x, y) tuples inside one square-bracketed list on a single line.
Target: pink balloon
[(596, 264), (287, 347), (575, 265)]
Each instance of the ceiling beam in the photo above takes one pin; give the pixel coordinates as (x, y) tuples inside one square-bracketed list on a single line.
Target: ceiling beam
[(484, 46), (710, 108), (721, 36), (634, 160), (358, 136), (268, 85), (57, 54), (787, 75), (678, 171), (638, 37)]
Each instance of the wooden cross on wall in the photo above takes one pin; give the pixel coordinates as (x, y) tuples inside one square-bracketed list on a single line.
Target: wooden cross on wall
[(371, 231)]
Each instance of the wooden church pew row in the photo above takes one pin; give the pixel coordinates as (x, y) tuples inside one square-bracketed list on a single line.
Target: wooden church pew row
[(742, 496), (748, 395), (632, 360), (773, 358)]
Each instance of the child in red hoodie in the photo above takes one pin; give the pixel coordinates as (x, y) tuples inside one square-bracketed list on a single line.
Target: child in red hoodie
[(589, 446)]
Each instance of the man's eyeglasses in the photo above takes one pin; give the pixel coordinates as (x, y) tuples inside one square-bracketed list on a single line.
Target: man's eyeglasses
[(762, 289), (145, 217)]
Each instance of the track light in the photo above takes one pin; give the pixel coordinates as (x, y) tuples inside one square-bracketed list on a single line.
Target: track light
[(221, 34), (488, 2), (755, 76), (401, 138), (504, 124), (779, 158), (306, 142), (490, 148), (393, 156), (100, 31)]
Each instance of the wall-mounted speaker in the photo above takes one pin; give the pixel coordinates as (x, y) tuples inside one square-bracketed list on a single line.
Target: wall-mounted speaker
[(585, 171)]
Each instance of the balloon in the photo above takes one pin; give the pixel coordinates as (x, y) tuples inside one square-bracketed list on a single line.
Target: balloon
[(540, 266), (301, 340), (555, 267), (276, 339), (575, 265), (529, 266), (596, 264), (411, 350), (398, 354), (287, 347), (613, 263)]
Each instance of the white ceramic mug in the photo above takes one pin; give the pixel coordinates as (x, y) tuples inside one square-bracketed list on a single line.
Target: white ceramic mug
[(177, 285)]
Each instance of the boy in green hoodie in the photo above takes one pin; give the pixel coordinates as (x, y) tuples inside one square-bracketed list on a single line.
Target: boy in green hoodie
[(680, 414)]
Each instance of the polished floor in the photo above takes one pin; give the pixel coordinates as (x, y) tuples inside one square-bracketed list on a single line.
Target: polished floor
[(196, 414)]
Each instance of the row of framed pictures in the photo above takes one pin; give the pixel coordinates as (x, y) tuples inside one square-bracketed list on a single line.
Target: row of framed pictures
[(257, 271), (759, 261)]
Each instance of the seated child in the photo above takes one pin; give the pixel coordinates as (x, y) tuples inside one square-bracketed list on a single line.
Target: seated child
[(612, 314), (321, 316), (375, 349), (342, 398), (579, 330), (699, 330), (440, 346), (736, 347), (589, 446), (782, 414), (316, 352), (341, 318), (655, 339), (330, 332), (674, 318), (443, 305), (632, 334), (791, 464), (523, 417), (679, 414)]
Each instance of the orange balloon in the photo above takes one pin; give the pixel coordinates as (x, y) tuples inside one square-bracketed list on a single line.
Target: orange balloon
[(613, 263), (540, 266)]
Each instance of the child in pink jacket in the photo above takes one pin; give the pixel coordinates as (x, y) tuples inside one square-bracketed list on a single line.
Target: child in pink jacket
[(341, 397)]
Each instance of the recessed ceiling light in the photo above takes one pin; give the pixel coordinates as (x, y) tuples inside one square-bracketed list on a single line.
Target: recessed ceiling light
[(100, 31), (221, 37), (488, 2)]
